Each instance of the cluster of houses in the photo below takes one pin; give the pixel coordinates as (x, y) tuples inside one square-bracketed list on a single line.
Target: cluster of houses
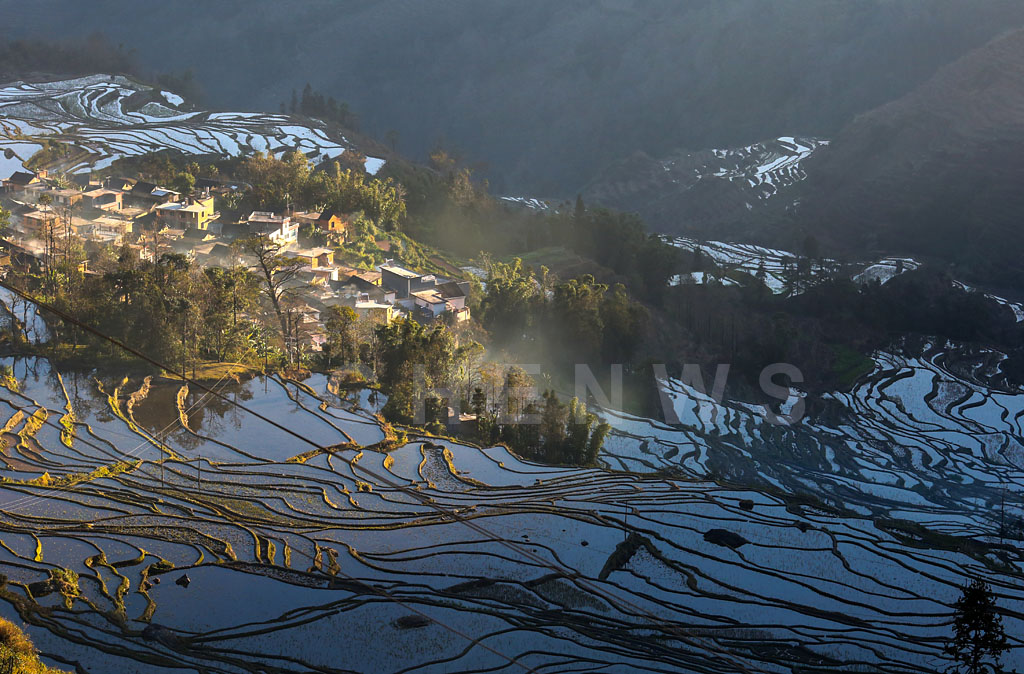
[(149, 220), (377, 296)]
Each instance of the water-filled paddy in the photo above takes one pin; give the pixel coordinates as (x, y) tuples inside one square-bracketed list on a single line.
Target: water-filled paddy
[(557, 567)]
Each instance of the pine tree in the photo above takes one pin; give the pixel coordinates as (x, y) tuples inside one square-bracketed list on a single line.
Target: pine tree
[(978, 637), (479, 402)]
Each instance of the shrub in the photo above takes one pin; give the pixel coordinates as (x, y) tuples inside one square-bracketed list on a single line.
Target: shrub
[(17, 654)]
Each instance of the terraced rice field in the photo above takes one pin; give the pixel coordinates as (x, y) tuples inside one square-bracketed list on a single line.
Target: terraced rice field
[(918, 439), (765, 168), (769, 265), (749, 259), (107, 117), (447, 557)]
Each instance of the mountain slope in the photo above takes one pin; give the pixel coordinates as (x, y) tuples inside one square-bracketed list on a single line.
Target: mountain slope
[(709, 192), (549, 93), (107, 117), (939, 171)]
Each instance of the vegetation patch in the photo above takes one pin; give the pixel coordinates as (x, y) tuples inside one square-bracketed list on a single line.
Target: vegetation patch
[(17, 654), (725, 538)]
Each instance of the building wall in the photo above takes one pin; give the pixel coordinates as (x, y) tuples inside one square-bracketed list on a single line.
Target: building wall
[(399, 284)]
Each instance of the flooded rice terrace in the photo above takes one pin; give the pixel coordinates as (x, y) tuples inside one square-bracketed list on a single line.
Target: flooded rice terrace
[(149, 527), (201, 542)]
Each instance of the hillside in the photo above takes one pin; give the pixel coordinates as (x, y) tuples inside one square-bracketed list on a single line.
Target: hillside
[(101, 118), (708, 192), (549, 93), (937, 172)]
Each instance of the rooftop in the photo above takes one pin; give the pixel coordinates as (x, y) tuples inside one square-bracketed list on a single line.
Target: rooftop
[(21, 178), (370, 304), (400, 271), (449, 290), (266, 216), (429, 296), (99, 192), (177, 206), (109, 222)]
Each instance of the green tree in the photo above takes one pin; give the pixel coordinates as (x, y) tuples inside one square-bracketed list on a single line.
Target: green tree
[(554, 419), (624, 323), (279, 183), (185, 183), (978, 638), (412, 362), (230, 292), (342, 344), (507, 310)]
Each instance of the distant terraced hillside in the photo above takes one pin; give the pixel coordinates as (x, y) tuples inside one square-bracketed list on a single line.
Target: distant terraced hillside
[(936, 172), (704, 191), (107, 117)]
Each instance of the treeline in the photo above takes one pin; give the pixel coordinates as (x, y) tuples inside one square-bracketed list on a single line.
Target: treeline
[(829, 329), (425, 371), (449, 208), (93, 54), (315, 104), (169, 309), (293, 181), (90, 55), (164, 166), (561, 322), (545, 428)]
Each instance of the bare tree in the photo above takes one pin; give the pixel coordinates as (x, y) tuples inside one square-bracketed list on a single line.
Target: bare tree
[(276, 272)]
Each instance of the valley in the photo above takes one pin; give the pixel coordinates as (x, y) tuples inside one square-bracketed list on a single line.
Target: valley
[(262, 413)]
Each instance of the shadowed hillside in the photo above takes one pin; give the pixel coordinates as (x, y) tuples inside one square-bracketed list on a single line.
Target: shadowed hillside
[(937, 172), (721, 193), (549, 93)]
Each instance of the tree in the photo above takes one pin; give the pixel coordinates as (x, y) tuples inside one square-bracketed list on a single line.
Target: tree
[(342, 343), (49, 223), (978, 637), (512, 293), (185, 183), (412, 361), (811, 247), (291, 181), (276, 273), (229, 292), (469, 356)]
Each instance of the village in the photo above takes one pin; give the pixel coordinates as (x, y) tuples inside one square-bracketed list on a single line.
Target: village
[(48, 214)]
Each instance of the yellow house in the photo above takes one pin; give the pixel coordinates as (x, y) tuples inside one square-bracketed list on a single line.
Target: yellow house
[(316, 258), (376, 312), (37, 223), (193, 214), (329, 221)]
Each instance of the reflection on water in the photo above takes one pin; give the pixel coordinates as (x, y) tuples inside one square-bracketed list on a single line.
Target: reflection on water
[(245, 561)]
